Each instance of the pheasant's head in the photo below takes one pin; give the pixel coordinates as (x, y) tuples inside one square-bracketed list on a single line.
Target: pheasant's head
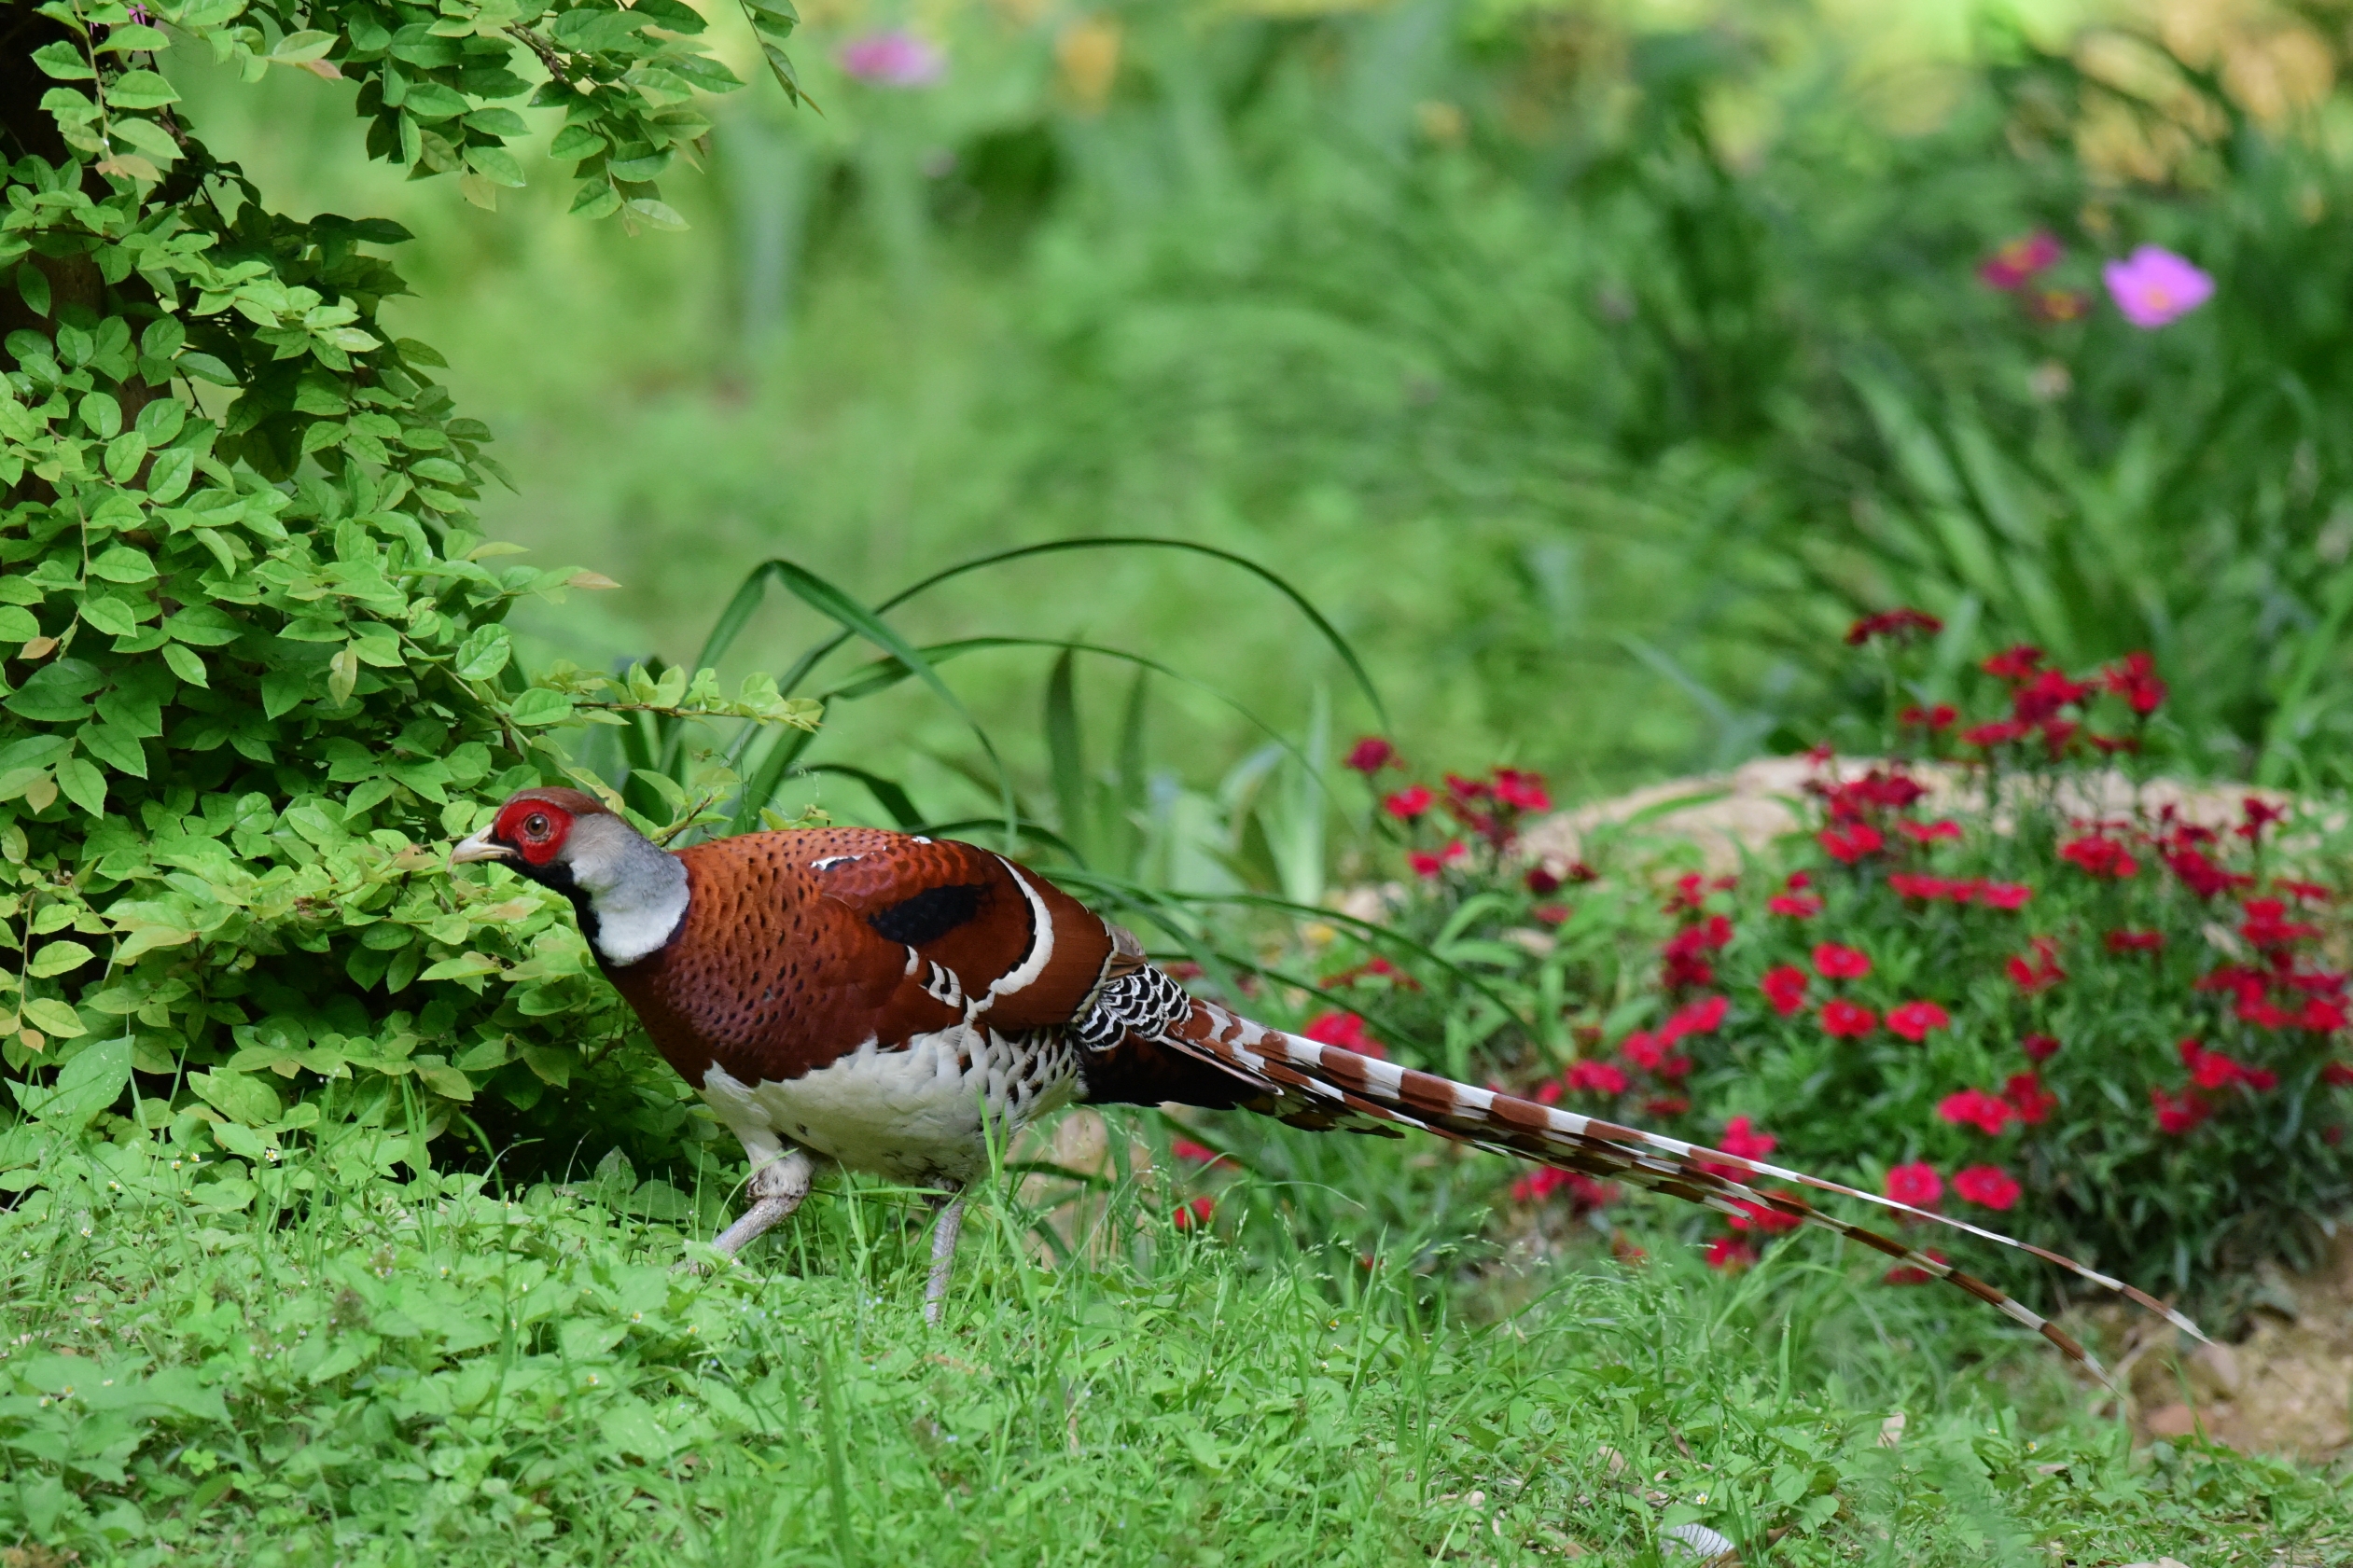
[(631, 896)]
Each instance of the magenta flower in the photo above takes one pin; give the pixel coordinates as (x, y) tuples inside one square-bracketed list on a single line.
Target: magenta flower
[(895, 58), (2153, 286), (2018, 261)]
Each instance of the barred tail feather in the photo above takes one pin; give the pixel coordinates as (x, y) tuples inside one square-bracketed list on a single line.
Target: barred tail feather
[(1309, 1080)]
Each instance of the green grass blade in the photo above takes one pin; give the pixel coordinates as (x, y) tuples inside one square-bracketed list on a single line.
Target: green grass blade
[(888, 794), (1064, 758)]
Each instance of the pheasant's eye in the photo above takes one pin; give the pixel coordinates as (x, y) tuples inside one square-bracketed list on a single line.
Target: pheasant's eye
[(534, 825)]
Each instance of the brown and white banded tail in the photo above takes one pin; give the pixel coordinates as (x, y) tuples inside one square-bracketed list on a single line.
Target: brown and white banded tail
[(1304, 1073)]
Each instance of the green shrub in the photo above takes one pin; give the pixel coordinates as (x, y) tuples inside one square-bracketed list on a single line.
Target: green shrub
[(2039, 997), (256, 664)]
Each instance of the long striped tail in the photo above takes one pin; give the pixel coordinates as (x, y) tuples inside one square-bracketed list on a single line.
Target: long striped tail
[(1320, 1085)]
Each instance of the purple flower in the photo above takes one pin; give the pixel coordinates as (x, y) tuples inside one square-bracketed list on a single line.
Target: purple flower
[(2016, 262), (2153, 286), (893, 59)]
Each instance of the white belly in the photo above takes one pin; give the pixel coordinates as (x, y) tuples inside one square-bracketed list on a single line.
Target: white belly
[(912, 1114)]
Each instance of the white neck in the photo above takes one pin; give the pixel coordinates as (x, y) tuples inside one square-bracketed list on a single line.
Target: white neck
[(637, 891)]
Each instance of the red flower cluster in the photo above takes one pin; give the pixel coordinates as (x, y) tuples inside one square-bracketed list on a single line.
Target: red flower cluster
[(2135, 941), (1594, 1077), (1584, 1193), (1960, 890), (2040, 1048), (1370, 754), (2100, 856), (1916, 1183), (2212, 1070), (2031, 1102), (1785, 987), (1988, 1186), (1193, 1213), (1729, 1252), (2135, 680), (2034, 974), (1990, 1114), (1941, 716), (1345, 1030), (1944, 830), (1411, 803), (1686, 964), (1842, 1019), (1763, 1218), (1907, 1273), (2040, 699), (1852, 842), (1899, 624), (1833, 962), (1432, 864)]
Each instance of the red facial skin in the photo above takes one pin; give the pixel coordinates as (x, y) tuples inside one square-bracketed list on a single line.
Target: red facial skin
[(535, 827)]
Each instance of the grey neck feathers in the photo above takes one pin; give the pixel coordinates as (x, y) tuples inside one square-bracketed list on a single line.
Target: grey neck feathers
[(636, 891)]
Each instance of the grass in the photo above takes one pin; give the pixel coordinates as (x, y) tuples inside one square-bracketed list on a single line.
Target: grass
[(330, 1363)]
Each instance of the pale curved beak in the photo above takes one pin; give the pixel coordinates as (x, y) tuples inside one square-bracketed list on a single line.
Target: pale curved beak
[(479, 847)]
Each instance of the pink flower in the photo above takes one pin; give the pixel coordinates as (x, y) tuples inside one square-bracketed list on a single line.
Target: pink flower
[(1703, 1016), (1345, 1030), (1988, 1186), (1851, 843), (895, 58), (1835, 962), (2018, 261), (1973, 1107), (1370, 756), (2004, 895), (2040, 1048), (1521, 790), (1409, 802), (2099, 856), (1918, 1185), (2153, 286), (1785, 987), (1729, 1252), (1914, 1019), (1797, 906), (1844, 1019)]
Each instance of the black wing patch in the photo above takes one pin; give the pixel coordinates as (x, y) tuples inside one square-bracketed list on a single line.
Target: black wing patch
[(930, 914)]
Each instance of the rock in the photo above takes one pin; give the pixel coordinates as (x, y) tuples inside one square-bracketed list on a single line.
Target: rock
[(2216, 1367), (2174, 1420)]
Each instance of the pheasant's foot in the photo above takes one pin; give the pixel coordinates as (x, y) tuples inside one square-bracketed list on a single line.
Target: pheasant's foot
[(943, 1256)]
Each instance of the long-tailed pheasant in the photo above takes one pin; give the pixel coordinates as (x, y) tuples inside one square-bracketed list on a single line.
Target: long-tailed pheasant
[(890, 1001)]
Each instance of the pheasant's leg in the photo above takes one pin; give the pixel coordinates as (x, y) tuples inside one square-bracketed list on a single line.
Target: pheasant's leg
[(780, 1180), (943, 1255)]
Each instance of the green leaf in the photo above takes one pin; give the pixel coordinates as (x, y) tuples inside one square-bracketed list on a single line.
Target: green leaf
[(575, 142), (124, 455), (116, 748), (65, 62), (33, 287), (597, 199), (283, 690), (185, 664), (298, 48), (168, 477), (538, 707), (131, 37), (56, 958), (204, 367), (430, 101), (495, 164), (239, 1096), (342, 673), (482, 655), (141, 90), (659, 214), (123, 564), (81, 782), (500, 122), (88, 1083), (635, 169), (52, 1017), (16, 624), (101, 413)]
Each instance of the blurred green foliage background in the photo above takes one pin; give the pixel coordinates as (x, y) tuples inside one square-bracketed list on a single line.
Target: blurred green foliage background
[(1591, 364)]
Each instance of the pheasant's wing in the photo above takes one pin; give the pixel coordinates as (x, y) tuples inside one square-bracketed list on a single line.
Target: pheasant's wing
[(1348, 1085)]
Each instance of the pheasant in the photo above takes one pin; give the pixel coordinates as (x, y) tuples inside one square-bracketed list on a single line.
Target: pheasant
[(890, 1001)]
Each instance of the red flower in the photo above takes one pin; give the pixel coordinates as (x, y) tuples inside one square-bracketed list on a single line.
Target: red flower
[(2015, 663), (1744, 1141), (1409, 803), (1700, 935), (1345, 1030), (1844, 1019), (1785, 987), (1703, 1016), (2031, 1102), (1763, 1218), (1729, 1252), (1595, 1077), (2177, 1114), (1551, 914), (1521, 790), (2211, 1069), (2260, 814), (1998, 732), (2337, 1074), (2321, 1014), (2135, 681), (1939, 717), (1905, 885), (1914, 1019), (2135, 941), (1988, 1186), (1918, 1185), (1899, 624), (2018, 261), (1426, 864), (2099, 856), (1797, 906), (1583, 1191), (2040, 1048), (1193, 1213), (2267, 926), (2004, 895), (2040, 974), (1929, 832), (1851, 843), (1202, 1154), (2311, 893), (2038, 700), (1908, 1273), (1973, 1107), (1370, 756), (1665, 1105), (2200, 875), (1835, 962), (1643, 1048)]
